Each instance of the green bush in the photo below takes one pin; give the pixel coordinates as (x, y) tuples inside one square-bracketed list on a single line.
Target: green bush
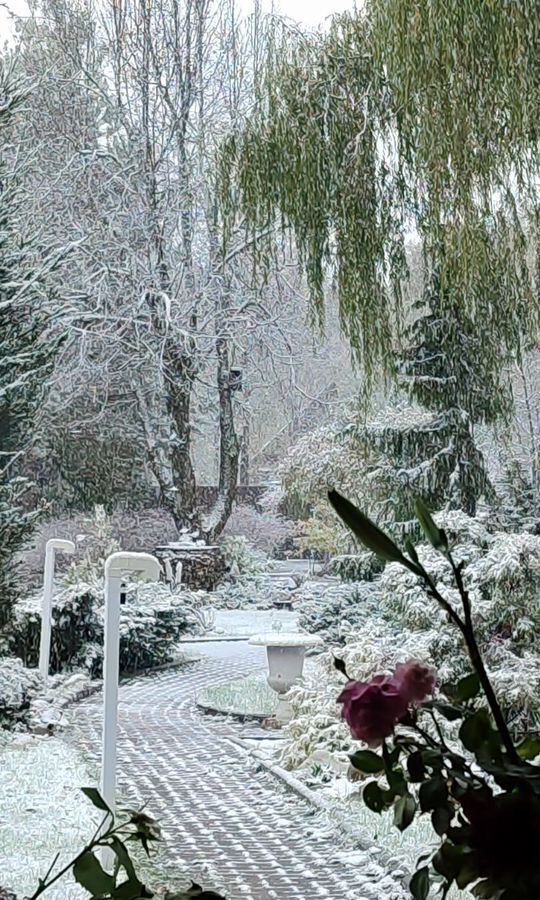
[(335, 612), (241, 557), (151, 623), (18, 687)]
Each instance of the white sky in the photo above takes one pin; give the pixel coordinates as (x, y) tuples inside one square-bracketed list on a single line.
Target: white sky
[(312, 12), (309, 12)]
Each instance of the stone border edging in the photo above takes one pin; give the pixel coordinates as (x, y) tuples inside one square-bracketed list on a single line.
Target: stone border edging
[(384, 857), (85, 692), (213, 639), (209, 710)]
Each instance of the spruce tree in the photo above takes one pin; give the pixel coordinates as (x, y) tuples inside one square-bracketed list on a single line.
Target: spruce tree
[(427, 447)]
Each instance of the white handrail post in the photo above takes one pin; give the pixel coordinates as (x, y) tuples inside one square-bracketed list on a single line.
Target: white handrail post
[(111, 657), (116, 565), (52, 546)]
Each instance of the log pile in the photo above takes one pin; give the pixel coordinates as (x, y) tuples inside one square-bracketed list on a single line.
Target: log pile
[(203, 566)]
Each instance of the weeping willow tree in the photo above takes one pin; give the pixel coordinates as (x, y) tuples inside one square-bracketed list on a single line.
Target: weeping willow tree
[(414, 120)]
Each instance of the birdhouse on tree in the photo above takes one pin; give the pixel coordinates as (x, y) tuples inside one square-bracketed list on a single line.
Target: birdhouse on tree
[(235, 379)]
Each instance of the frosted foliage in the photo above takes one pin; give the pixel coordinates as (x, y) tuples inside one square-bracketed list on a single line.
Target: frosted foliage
[(151, 621), (335, 612), (315, 725), (18, 686), (320, 460), (241, 557), (502, 573)]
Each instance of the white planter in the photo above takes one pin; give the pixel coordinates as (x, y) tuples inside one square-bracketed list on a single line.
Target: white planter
[(285, 653)]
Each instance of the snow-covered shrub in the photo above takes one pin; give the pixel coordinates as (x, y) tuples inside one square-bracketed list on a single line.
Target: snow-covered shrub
[(362, 566), (138, 530), (241, 557), (267, 530), (334, 612), (151, 622), (320, 460), (258, 592), (18, 687), (318, 534), (315, 733), (502, 573)]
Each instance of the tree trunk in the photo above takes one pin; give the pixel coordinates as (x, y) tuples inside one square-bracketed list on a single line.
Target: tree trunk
[(244, 456), (229, 446), (179, 380)]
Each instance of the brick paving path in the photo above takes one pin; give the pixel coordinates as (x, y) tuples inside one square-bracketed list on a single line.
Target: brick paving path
[(261, 841)]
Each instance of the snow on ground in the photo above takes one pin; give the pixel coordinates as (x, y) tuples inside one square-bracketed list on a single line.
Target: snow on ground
[(247, 622), (42, 812)]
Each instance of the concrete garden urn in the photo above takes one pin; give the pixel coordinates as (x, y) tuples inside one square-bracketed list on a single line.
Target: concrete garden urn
[(285, 653)]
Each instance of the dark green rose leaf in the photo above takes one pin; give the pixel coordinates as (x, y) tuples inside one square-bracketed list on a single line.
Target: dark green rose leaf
[(374, 797), (433, 794), (467, 688), (95, 797), (411, 550), (367, 532), (396, 780), (440, 819), (432, 759), (468, 872), (436, 536), (476, 730), (88, 872), (448, 861), (122, 855), (340, 666), (404, 810), (450, 712), (416, 767), (133, 889), (367, 762), (419, 884), (485, 890)]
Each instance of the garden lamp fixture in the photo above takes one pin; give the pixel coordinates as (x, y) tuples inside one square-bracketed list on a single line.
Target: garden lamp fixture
[(52, 547)]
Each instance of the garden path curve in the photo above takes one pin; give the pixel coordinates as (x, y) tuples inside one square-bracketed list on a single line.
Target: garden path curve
[(261, 841)]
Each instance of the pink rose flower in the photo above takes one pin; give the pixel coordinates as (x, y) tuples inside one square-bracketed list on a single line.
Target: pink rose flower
[(371, 709), (414, 680)]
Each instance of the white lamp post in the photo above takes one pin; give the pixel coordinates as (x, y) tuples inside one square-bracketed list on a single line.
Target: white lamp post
[(54, 545), (117, 565)]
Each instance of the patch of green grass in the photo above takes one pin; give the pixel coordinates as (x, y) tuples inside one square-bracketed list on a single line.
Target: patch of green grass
[(250, 696)]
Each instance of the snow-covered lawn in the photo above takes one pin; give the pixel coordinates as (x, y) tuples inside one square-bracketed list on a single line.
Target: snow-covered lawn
[(42, 812)]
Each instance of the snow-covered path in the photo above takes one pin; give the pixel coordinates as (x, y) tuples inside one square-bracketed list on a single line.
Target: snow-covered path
[(260, 841)]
